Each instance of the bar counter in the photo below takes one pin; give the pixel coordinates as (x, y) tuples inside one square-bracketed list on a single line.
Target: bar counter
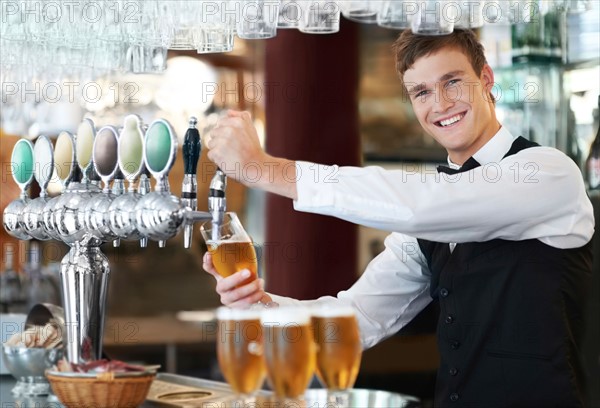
[(197, 392)]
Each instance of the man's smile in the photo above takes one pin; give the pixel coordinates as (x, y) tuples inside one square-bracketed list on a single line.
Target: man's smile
[(449, 121)]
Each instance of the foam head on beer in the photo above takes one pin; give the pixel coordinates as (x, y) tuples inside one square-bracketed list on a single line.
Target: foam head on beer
[(283, 315), (229, 313)]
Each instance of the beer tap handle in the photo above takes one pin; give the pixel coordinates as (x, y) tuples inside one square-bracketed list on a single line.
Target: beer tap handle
[(44, 163), (160, 151), (189, 189), (22, 171), (65, 159), (131, 164), (131, 150), (105, 155), (105, 162), (86, 133)]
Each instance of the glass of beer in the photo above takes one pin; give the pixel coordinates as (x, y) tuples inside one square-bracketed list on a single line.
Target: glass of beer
[(339, 349), (289, 350), (231, 248), (240, 351)]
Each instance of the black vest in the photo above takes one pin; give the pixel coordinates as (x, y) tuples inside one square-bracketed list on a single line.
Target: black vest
[(510, 324)]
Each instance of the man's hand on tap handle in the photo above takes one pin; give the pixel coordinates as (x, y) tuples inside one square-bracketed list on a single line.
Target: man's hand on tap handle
[(233, 145)]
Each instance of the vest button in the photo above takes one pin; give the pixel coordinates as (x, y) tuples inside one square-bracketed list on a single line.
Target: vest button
[(455, 345), (453, 371), (444, 292), (454, 397), (449, 319)]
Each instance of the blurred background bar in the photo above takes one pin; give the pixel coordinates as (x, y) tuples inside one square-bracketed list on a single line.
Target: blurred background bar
[(329, 98)]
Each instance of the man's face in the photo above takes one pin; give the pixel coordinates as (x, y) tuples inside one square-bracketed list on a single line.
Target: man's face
[(452, 103)]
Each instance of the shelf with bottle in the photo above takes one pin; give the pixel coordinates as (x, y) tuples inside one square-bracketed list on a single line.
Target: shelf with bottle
[(549, 103), (551, 32)]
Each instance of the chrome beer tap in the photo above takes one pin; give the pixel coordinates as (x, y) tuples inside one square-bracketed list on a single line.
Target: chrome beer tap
[(130, 159), (33, 221), (217, 202), (22, 171), (64, 169), (96, 210), (86, 135), (189, 189), (159, 214)]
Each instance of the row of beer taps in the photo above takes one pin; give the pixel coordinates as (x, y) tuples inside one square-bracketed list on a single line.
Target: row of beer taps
[(95, 206)]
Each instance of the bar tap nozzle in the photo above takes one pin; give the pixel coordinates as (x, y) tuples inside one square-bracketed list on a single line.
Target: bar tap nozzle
[(189, 189), (217, 203)]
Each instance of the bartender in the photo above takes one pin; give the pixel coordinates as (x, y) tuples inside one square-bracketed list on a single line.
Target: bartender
[(501, 236)]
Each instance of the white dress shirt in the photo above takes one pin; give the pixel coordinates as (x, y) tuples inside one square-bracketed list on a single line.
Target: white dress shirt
[(537, 193)]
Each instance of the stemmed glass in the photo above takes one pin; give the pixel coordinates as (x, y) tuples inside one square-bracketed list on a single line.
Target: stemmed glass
[(231, 247), (239, 351), (339, 350), (289, 351)]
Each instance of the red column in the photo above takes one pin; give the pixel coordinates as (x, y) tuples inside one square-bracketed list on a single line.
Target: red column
[(312, 115)]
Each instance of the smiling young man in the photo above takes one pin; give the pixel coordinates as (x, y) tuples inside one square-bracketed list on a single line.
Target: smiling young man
[(452, 99), (503, 241)]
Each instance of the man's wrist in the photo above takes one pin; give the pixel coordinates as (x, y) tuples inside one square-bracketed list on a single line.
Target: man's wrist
[(278, 176)]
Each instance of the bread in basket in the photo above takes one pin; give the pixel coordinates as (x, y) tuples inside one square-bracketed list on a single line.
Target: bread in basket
[(103, 389)]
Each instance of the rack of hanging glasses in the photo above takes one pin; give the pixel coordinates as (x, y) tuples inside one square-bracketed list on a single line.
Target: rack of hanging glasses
[(86, 39)]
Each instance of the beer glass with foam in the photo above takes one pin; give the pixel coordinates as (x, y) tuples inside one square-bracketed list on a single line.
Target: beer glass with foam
[(232, 250), (289, 350), (239, 350), (339, 348)]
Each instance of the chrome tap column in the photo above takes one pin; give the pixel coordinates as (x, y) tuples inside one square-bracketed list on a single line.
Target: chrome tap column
[(84, 216), (84, 271)]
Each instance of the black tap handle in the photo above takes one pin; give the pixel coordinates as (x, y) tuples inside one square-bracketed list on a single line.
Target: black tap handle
[(191, 148)]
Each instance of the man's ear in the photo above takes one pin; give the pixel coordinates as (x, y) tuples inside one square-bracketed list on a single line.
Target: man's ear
[(487, 77)]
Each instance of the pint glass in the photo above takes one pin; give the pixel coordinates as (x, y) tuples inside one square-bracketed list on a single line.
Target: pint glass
[(239, 350), (339, 348), (289, 350), (233, 250)]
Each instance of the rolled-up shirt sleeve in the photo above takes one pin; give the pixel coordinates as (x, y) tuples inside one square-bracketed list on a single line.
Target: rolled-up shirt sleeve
[(393, 289)]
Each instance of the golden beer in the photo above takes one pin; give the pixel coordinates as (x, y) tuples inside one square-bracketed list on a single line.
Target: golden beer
[(239, 350), (231, 257), (230, 246), (289, 353), (339, 349)]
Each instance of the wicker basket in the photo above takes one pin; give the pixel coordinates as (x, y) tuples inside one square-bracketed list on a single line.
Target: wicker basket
[(105, 390)]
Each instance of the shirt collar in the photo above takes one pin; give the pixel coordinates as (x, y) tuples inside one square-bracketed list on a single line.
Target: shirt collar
[(493, 151)]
